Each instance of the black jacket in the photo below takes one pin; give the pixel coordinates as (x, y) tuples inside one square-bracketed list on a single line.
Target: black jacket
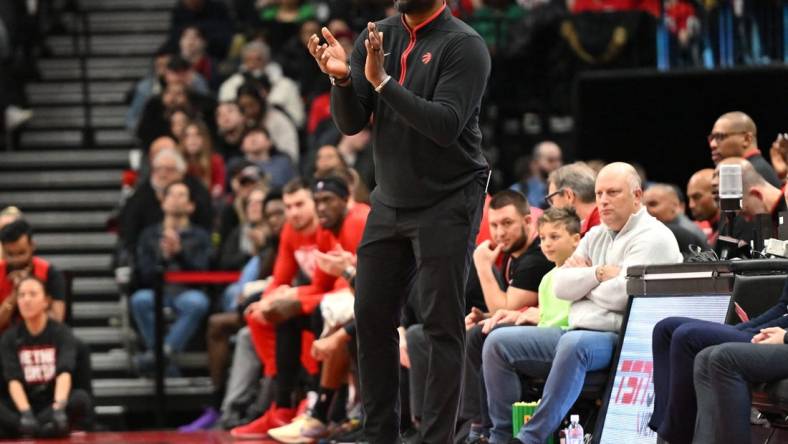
[(426, 136)]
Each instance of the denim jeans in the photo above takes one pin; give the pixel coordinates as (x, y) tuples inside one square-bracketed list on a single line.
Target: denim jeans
[(249, 273), (564, 357), (191, 307)]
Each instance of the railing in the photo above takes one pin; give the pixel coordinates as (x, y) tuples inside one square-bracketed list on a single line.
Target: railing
[(185, 278)]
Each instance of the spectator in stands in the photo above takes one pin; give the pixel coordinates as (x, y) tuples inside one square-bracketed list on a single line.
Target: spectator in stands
[(778, 154), (594, 280), (166, 70), (155, 119), (662, 201), (703, 204), (192, 47), (284, 19), (256, 63), (202, 162), (676, 346), (231, 128), (39, 357), (356, 150), (258, 112), (172, 245), (8, 215), (143, 208), (18, 262), (493, 18), (292, 309), (546, 158), (327, 159), (723, 376), (266, 214), (572, 186), (734, 135), (759, 196), (246, 240), (179, 118), (299, 65), (259, 149), (559, 232), (244, 176), (211, 16), (522, 269)]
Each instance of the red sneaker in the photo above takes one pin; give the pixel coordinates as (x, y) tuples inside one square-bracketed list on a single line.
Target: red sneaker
[(258, 429)]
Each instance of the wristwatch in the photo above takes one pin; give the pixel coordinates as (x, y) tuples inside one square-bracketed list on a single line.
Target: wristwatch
[(349, 273)]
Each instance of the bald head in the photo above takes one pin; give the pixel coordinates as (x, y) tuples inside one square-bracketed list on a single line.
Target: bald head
[(701, 199), (618, 194), (662, 202), (548, 156), (739, 121), (623, 172)]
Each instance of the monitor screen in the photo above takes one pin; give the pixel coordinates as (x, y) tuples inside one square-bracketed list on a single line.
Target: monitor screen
[(630, 401)]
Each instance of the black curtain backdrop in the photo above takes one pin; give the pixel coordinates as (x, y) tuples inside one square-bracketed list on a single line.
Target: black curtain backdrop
[(661, 120)]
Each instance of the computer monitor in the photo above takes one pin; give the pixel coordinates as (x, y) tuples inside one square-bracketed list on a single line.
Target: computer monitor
[(629, 399)]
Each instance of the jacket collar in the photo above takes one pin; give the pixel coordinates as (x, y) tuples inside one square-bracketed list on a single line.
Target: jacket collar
[(440, 15)]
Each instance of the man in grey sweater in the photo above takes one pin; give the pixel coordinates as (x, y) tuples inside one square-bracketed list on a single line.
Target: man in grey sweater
[(594, 279)]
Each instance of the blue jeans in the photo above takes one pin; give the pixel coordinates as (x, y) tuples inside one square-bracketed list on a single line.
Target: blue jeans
[(249, 273), (191, 307), (564, 357)]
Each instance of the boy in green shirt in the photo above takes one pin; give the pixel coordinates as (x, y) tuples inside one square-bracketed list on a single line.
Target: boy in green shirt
[(559, 233)]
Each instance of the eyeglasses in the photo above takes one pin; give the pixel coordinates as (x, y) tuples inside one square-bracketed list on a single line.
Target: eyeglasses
[(549, 197), (719, 137)]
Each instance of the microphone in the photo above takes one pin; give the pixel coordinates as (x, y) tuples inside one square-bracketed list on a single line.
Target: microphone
[(730, 187)]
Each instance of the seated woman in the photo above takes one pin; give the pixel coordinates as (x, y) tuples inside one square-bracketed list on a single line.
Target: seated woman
[(38, 357)]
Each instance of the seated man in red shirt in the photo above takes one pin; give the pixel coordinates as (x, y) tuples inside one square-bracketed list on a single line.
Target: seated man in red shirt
[(18, 262), (291, 310)]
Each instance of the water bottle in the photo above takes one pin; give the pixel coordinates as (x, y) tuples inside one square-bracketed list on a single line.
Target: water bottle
[(574, 433)]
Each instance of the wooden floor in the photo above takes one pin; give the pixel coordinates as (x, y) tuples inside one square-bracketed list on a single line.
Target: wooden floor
[(159, 437)]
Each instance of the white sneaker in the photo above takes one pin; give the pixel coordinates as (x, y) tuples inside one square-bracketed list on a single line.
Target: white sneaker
[(16, 116), (303, 430)]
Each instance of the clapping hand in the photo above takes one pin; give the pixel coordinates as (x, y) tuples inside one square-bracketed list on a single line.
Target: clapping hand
[(330, 56)]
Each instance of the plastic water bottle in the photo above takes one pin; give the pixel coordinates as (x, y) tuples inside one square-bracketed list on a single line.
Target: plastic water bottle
[(574, 433)]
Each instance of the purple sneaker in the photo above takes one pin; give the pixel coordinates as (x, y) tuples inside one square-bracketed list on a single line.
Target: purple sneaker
[(206, 421)]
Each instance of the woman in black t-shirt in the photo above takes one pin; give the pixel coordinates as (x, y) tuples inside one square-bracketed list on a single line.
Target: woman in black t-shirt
[(38, 359)]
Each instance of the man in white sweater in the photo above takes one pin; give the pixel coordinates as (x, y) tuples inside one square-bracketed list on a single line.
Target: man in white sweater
[(594, 279)]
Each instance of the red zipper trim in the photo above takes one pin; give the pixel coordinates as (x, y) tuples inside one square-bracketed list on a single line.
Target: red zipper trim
[(403, 61)]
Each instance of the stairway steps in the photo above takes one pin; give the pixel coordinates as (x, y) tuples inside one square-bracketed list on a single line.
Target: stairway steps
[(92, 310), (31, 180), (99, 335), (68, 93), (49, 221), (109, 44), (130, 5), (109, 388), (94, 286), (60, 200), (74, 117), (47, 243), (129, 21), (118, 359), (72, 139), (94, 264), (98, 68), (56, 159)]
